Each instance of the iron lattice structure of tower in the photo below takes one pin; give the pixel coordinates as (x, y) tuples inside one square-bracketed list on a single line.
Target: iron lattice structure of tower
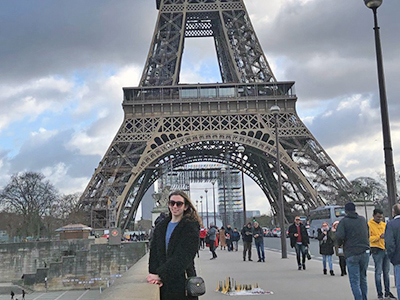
[(170, 124)]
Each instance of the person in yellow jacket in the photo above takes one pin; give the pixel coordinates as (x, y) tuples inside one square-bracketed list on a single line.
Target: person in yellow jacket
[(382, 263)]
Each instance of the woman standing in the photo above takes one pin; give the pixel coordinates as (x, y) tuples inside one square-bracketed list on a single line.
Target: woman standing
[(222, 238), (326, 247), (173, 248), (339, 251)]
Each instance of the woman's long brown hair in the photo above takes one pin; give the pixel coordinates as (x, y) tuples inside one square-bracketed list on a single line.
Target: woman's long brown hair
[(191, 211)]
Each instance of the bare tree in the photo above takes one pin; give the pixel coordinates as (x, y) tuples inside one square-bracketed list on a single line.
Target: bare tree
[(369, 190), (29, 196), (64, 206), (64, 210)]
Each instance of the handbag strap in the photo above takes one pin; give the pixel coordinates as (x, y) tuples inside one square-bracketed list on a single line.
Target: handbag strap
[(191, 270)]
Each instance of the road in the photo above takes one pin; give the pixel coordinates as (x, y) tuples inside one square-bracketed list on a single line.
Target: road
[(60, 295), (274, 244)]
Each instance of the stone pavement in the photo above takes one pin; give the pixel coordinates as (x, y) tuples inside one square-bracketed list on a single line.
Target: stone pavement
[(277, 275), (133, 285)]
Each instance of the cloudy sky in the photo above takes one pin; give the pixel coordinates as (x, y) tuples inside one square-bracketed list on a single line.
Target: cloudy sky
[(63, 65)]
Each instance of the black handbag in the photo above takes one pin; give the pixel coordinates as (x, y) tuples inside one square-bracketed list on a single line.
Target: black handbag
[(195, 286)]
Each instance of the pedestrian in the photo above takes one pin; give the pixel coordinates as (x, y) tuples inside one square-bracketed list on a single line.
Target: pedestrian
[(23, 294), (339, 250), (212, 236), (235, 239), (173, 248), (228, 235), (326, 247), (381, 260), (258, 235), (222, 238), (247, 237), (299, 240), (203, 233), (392, 244), (352, 233), (12, 295)]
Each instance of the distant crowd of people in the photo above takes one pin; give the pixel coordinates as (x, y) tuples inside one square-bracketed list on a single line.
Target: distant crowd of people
[(228, 239), (138, 237)]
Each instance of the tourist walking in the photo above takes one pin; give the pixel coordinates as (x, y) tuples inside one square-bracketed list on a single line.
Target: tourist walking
[(377, 228), (258, 235), (352, 233), (392, 244), (173, 248), (247, 237), (339, 250), (203, 233), (212, 237), (12, 295), (235, 240), (228, 235), (326, 247), (222, 238), (299, 240)]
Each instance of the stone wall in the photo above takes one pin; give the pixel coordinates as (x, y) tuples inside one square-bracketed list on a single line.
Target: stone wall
[(68, 263)]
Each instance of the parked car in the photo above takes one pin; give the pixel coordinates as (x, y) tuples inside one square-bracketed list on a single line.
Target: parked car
[(276, 232), (267, 231)]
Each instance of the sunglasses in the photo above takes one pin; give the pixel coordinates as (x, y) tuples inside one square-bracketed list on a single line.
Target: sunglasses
[(177, 203), (297, 219)]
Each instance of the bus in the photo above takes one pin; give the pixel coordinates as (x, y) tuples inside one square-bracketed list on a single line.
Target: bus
[(329, 214)]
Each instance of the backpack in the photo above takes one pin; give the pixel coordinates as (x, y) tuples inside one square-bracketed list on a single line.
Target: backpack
[(207, 239)]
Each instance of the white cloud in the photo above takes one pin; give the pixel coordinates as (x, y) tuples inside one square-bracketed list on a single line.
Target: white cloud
[(90, 145), (30, 100), (43, 133), (103, 97)]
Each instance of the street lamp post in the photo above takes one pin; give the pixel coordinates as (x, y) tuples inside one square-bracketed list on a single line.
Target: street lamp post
[(215, 212), (275, 110), (387, 143), (206, 191), (223, 170), (202, 212), (241, 151)]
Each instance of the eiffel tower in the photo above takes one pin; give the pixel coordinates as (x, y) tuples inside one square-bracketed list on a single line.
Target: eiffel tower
[(172, 124)]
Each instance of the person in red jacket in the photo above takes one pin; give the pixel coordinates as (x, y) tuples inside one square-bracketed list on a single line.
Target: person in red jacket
[(203, 233)]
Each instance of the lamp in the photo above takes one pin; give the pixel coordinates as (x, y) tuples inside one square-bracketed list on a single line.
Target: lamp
[(223, 170), (241, 150), (275, 110), (387, 143)]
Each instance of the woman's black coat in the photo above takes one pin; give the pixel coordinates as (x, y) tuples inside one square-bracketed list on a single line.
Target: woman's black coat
[(325, 247), (173, 265)]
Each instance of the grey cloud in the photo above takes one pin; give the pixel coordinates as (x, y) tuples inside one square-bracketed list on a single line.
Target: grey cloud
[(340, 26), (344, 126), (44, 37), (38, 153), (342, 29)]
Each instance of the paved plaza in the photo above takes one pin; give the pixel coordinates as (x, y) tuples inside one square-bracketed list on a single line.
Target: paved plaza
[(277, 275)]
